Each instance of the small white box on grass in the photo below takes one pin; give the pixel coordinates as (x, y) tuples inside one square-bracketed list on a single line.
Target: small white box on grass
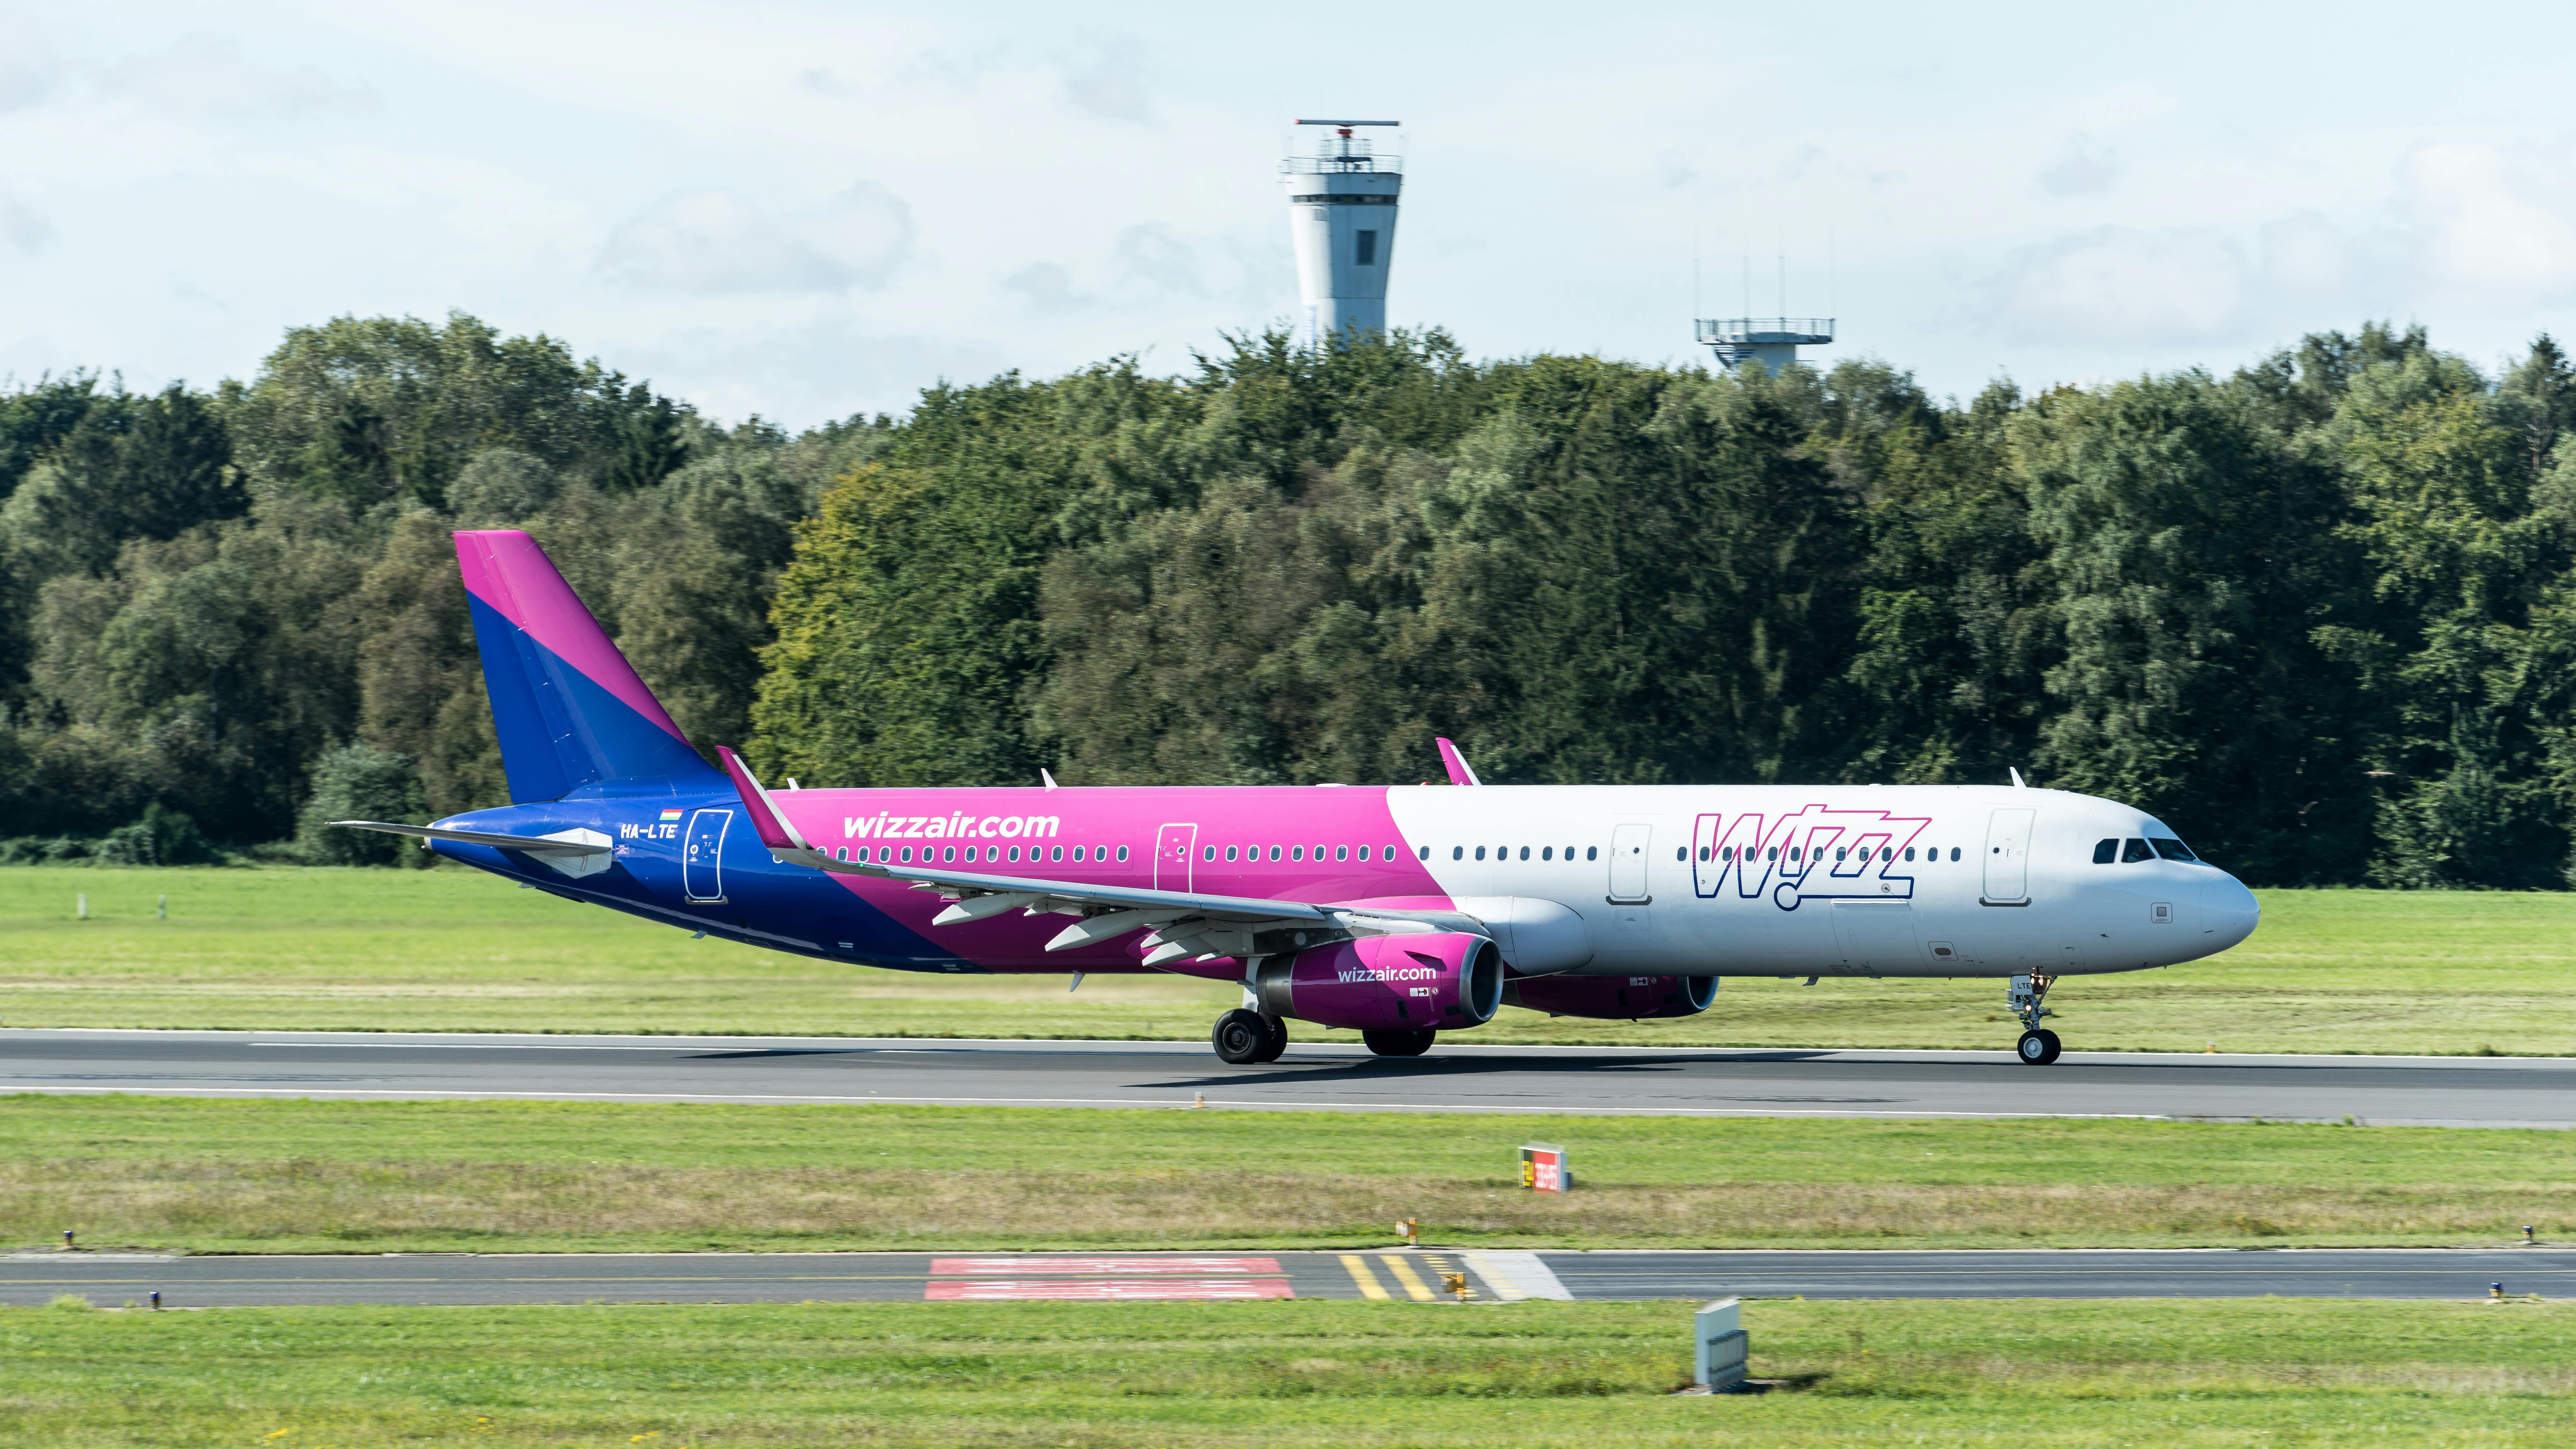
[(1723, 1347)]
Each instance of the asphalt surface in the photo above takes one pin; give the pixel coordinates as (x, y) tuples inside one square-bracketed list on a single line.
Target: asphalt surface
[(2390, 1091), (108, 1279)]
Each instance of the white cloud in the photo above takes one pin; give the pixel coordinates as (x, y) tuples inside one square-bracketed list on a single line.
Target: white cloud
[(29, 69), (713, 242), (1110, 75), (207, 77), (2083, 167), (25, 229), (2500, 219), (2116, 286)]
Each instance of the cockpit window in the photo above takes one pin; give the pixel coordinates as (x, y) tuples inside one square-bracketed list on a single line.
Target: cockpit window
[(2170, 848), (2106, 851), (2136, 850)]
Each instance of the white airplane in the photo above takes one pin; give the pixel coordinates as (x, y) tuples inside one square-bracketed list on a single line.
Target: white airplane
[(1402, 911)]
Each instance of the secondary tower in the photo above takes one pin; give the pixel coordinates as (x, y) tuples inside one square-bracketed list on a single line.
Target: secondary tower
[(1771, 341), (1341, 214)]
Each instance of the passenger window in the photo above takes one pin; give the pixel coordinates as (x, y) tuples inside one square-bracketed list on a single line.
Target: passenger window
[(1954, 852), (1840, 853), (1480, 852), (1770, 852), (1426, 852), (1592, 852), (1229, 852), (1681, 852), (1341, 852), (1547, 852), (1056, 854), (1909, 852), (1296, 852), (2170, 848), (1122, 855), (2136, 850), (1457, 852)]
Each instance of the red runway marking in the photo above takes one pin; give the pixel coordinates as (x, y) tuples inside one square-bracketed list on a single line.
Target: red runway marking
[(951, 1267), (1104, 1290)]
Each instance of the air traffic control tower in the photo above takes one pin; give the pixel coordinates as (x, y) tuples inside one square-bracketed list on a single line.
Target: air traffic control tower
[(1341, 214), (1770, 341)]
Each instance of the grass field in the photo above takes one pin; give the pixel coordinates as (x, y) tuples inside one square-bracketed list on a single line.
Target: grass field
[(2161, 1372), (453, 949), (288, 1176)]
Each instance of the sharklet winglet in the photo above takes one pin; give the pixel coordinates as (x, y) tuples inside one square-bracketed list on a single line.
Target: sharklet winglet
[(1460, 772), (776, 831)]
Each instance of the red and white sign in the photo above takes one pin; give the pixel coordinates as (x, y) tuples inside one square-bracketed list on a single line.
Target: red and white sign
[(1103, 1290), (959, 1267), (1543, 1168)]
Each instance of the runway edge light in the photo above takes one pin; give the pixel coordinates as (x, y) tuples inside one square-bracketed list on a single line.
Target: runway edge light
[(1724, 1348)]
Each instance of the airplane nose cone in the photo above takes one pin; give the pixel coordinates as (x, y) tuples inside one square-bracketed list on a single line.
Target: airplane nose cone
[(2228, 912)]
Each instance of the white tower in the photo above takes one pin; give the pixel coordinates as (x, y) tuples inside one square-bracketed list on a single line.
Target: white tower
[(1341, 213)]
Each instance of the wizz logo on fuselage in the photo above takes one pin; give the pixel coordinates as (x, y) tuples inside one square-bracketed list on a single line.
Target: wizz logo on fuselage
[(1812, 853)]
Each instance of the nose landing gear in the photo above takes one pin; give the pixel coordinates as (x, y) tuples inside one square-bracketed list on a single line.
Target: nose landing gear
[(1246, 1038), (2037, 1047)]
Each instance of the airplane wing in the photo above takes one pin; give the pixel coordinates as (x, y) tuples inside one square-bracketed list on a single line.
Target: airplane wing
[(1186, 925)]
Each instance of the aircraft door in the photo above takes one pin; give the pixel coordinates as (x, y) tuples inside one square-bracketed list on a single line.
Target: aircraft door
[(1173, 846), (2008, 857), (1628, 845), (702, 856)]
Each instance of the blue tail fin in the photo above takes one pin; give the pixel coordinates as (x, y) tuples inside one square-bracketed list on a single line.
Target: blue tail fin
[(573, 718)]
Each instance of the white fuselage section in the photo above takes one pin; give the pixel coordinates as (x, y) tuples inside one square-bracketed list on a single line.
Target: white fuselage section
[(1818, 880)]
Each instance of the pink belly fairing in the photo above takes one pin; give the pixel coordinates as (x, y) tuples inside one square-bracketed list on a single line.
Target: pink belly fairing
[(1148, 822)]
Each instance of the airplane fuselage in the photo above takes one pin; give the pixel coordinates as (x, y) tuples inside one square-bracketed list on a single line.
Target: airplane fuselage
[(1589, 880)]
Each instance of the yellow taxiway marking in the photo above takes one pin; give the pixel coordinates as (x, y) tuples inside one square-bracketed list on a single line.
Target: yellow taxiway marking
[(1404, 1274), (1360, 1274)]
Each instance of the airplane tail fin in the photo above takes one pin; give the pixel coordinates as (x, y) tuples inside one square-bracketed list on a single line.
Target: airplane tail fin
[(572, 716)]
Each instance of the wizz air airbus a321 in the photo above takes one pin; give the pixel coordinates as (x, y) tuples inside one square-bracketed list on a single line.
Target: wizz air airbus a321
[(1400, 911)]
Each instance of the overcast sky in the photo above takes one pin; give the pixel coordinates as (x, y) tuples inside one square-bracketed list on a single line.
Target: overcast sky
[(806, 210)]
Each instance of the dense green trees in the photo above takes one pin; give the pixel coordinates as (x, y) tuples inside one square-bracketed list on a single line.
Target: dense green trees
[(2320, 614)]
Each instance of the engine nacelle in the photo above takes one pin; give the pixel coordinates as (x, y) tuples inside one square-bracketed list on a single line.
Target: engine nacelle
[(1440, 979), (1621, 998)]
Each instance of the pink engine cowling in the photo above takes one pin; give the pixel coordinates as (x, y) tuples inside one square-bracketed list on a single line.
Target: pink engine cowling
[(1443, 980), (1623, 998)]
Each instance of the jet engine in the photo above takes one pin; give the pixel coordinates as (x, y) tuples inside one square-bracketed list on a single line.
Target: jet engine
[(1623, 998), (1437, 980)]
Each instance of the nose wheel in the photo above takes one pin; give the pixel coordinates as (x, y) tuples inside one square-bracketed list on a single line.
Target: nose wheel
[(2037, 1047), (1247, 1038)]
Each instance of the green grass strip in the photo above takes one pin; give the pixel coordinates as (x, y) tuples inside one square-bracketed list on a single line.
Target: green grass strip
[(287, 1175), (2165, 1372)]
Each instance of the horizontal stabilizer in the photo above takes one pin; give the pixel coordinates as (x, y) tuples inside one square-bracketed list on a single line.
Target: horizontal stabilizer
[(569, 842)]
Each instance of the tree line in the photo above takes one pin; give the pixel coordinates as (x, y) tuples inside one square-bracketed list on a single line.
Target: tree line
[(2319, 613)]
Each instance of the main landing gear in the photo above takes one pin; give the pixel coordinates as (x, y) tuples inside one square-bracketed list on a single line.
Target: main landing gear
[(1400, 1043), (1245, 1038), (2037, 1047)]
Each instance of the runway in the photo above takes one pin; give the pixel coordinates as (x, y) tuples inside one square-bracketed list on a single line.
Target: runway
[(1396, 1276), (2388, 1091)]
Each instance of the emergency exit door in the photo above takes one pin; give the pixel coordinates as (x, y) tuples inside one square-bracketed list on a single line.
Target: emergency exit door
[(1628, 846), (2008, 857)]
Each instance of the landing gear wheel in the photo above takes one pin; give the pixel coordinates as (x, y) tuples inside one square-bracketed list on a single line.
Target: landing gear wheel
[(1278, 1043), (1400, 1043), (1241, 1038), (2037, 1048)]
